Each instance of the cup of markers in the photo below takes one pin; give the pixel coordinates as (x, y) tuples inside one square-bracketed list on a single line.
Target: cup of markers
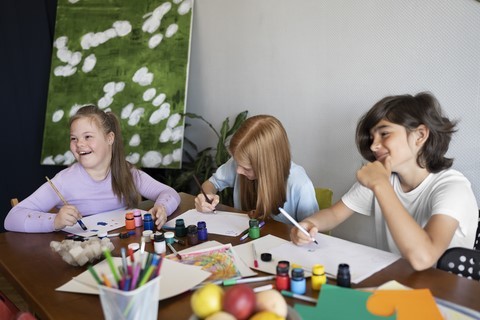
[(131, 292)]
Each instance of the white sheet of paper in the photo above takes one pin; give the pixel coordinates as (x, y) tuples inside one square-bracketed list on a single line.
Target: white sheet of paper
[(222, 222), (114, 219), (330, 252), (175, 278)]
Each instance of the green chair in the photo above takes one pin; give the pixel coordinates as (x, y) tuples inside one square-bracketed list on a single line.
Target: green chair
[(324, 197)]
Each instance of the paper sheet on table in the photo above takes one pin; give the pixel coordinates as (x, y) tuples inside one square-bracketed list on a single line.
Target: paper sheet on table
[(175, 278), (330, 251), (222, 222), (114, 219), (240, 264)]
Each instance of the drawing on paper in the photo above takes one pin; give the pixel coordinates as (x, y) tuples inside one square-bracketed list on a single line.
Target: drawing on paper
[(128, 57), (219, 261)]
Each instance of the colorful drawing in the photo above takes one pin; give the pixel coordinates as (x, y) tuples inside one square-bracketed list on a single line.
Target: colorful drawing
[(220, 261), (129, 57)]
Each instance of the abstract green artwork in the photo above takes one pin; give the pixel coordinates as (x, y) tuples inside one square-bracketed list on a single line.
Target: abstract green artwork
[(128, 57)]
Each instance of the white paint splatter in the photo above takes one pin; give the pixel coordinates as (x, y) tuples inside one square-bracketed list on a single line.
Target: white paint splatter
[(122, 28), (74, 109), (105, 101), (171, 30), (127, 111), (174, 120), (135, 116), (69, 158), (184, 7), (89, 63), (159, 99), (152, 159), (143, 77), (158, 115), (59, 158), (149, 94), (165, 135), (48, 160), (133, 158), (135, 140), (177, 154), (57, 115), (155, 40), (177, 134), (167, 160), (60, 42)]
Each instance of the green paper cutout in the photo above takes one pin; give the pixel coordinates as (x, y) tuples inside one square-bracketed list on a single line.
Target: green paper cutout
[(340, 304)]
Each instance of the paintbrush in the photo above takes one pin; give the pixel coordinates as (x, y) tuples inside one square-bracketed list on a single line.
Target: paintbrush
[(203, 192), (64, 201)]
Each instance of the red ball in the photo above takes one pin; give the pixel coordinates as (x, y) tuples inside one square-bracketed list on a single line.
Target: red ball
[(239, 301)]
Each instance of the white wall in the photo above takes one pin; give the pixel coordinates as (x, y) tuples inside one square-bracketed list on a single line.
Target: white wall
[(318, 65)]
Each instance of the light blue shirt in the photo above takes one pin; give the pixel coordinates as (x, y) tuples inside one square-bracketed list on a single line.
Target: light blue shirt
[(301, 201)]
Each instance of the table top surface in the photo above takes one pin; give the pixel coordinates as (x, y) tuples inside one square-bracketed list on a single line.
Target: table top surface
[(36, 271)]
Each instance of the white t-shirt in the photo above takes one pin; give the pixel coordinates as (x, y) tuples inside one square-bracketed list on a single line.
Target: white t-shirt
[(447, 192)]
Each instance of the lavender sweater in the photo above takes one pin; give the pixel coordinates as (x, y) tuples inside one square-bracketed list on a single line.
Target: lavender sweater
[(87, 195)]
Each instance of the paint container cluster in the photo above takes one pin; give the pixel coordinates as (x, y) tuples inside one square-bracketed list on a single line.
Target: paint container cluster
[(133, 219), (194, 233)]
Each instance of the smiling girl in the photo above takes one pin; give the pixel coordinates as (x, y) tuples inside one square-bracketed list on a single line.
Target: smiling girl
[(101, 180), (421, 206), (262, 174)]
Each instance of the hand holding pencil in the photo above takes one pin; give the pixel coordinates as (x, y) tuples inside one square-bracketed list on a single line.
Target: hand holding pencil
[(206, 202)]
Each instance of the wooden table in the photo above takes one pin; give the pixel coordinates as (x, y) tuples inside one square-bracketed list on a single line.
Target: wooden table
[(36, 271)]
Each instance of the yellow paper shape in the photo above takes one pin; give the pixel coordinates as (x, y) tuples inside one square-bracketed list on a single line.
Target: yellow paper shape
[(407, 304)]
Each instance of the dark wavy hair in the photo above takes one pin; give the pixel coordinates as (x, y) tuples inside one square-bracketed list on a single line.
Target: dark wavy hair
[(410, 112)]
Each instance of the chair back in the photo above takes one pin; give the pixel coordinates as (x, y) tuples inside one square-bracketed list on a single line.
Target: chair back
[(463, 262), (324, 197)]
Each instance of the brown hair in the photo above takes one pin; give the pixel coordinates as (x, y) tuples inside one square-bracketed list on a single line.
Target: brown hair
[(262, 141), (122, 179), (410, 112)]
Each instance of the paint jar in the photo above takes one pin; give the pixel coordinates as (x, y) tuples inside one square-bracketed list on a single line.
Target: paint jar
[(192, 235), (180, 229), (137, 216), (129, 222), (254, 230), (202, 231), (282, 281), (298, 284), (343, 275), (169, 237), (159, 244), (147, 221), (147, 235), (318, 276)]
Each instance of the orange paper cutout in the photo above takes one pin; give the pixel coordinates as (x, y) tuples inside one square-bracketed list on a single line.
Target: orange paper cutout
[(406, 304)]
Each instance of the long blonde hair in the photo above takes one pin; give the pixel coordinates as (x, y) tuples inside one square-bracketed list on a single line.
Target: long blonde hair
[(123, 185), (262, 141)]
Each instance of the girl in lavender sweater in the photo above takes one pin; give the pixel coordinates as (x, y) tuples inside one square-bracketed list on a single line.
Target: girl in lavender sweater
[(101, 180)]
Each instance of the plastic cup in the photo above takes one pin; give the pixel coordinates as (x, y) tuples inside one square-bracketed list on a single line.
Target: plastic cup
[(138, 304)]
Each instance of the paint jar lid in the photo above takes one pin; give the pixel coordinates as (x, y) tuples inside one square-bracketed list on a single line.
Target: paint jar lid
[(169, 234), (147, 233), (266, 257), (137, 213), (159, 237), (134, 246), (129, 215), (318, 270)]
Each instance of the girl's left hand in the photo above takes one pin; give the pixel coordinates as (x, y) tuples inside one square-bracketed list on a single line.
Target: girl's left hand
[(159, 214), (374, 173)]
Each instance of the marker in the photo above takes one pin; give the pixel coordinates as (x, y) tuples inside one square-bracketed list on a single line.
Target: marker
[(95, 275), (108, 256), (203, 192), (244, 234), (174, 251), (295, 223), (263, 288), (149, 271), (298, 296), (80, 222), (255, 261), (231, 282)]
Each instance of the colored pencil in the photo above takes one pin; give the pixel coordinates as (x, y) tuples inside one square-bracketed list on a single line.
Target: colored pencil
[(296, 224)]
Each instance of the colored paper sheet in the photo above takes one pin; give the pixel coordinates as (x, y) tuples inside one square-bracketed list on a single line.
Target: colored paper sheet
[(221, 222), (337, 303), (406, 304)]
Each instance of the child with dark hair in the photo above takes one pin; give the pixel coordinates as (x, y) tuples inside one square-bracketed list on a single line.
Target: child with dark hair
[(421, 206), (101, 180)]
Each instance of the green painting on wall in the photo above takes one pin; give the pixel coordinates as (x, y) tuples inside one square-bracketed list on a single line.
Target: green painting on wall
[(129, 57)]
